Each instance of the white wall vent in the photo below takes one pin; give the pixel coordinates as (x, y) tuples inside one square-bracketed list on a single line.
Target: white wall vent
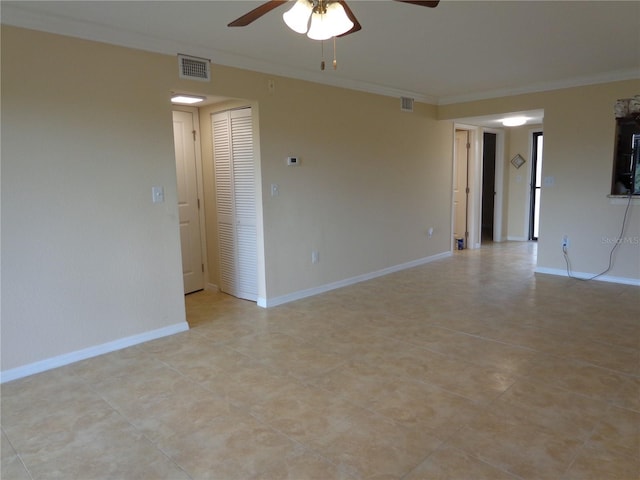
[(406, 104), (194, 68)]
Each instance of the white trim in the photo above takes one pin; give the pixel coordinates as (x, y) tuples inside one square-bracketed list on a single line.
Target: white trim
[(528, 213), (498, 186), (474, 167), (623, 200), (452, 223), (583, 275), (514, 238), (19, 17), (67, 358), (195, 118), (211, 287), (290, 297), (526, 228), (12, 15), (260, 228), (614, 76)]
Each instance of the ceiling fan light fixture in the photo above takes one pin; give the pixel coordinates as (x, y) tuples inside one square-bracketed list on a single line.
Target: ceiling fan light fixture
[(297, 17), (319, 29), (332, 23), (338, 19)]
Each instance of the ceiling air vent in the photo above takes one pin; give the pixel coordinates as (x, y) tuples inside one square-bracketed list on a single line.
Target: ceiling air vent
[(194, 68), (406, 104)]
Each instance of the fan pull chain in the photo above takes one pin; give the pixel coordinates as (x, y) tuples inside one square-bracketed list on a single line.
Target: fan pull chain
[(335, 62)]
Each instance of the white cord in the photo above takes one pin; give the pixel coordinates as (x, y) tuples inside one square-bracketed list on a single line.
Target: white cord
[(616, 244)]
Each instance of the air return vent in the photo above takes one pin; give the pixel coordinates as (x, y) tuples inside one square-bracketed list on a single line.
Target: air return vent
[(194, 68), (406, 104)]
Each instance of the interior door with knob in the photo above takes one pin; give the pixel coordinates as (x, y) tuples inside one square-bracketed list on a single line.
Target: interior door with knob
[(188, 202), (461, 186)]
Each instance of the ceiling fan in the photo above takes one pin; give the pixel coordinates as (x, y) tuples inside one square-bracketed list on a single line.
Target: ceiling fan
[(328, 18)]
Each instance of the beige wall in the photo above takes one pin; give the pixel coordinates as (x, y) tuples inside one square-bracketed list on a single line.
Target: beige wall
[(519, 181), (578, 154), (87, 258), (371, 182)]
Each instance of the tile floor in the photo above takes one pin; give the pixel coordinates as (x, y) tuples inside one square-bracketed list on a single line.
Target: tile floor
[(470, 367)]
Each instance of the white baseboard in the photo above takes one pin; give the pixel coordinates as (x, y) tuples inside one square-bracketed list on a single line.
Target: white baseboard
[(67, 358), (583, 275), (211, 287), (512, 238), (290, 297)]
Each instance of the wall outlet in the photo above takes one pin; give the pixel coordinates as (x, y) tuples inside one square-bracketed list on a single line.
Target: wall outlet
[(565, 241), (430, 232), (315, 256)]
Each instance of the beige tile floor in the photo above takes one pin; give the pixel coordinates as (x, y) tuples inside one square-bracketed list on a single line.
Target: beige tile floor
[(471, 367)]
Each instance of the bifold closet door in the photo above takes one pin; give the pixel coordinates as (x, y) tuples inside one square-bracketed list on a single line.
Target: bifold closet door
[(236, 202)]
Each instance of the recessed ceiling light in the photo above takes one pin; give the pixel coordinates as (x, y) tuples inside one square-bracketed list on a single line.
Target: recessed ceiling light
[(514, 121), (188, 99)]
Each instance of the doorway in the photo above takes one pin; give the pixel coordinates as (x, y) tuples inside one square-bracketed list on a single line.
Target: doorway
[(489, 146), (189, 192), (461, 189), (235, 179), (536, 185)]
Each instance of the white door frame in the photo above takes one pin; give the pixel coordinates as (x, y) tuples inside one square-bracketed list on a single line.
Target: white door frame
[(499, 182), (231, 104), (460, 188), (200, 186), (474, 210)]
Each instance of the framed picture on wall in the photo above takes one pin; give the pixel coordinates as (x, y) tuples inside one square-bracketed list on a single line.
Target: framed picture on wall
[(518, 161)]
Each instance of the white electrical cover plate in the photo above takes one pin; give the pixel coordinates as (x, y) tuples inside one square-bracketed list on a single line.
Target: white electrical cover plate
[(157, 194)]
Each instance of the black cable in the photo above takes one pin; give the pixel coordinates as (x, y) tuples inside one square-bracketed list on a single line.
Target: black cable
[(616, 245)]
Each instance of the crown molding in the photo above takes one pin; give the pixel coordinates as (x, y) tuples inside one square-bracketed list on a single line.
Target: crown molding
[(20, 17), (24, 18), (614, 76)]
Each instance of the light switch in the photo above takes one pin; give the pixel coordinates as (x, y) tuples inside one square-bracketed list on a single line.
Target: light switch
[(157, 194), (275, 190)]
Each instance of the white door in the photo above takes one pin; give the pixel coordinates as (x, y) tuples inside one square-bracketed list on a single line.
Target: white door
[(236, 202), (460, 184), (188, 203)]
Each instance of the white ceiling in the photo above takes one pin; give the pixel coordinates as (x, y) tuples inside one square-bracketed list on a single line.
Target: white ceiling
[(461, 50)]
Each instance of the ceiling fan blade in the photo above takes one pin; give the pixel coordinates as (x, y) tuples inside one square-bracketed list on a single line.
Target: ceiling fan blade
[(352, 17), (256, 13), (430, 4)]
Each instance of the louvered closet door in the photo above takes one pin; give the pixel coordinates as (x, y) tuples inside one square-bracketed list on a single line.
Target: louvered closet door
[(235, 194)]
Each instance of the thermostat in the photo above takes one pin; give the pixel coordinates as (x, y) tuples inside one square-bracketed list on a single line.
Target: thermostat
[(293, 160)]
